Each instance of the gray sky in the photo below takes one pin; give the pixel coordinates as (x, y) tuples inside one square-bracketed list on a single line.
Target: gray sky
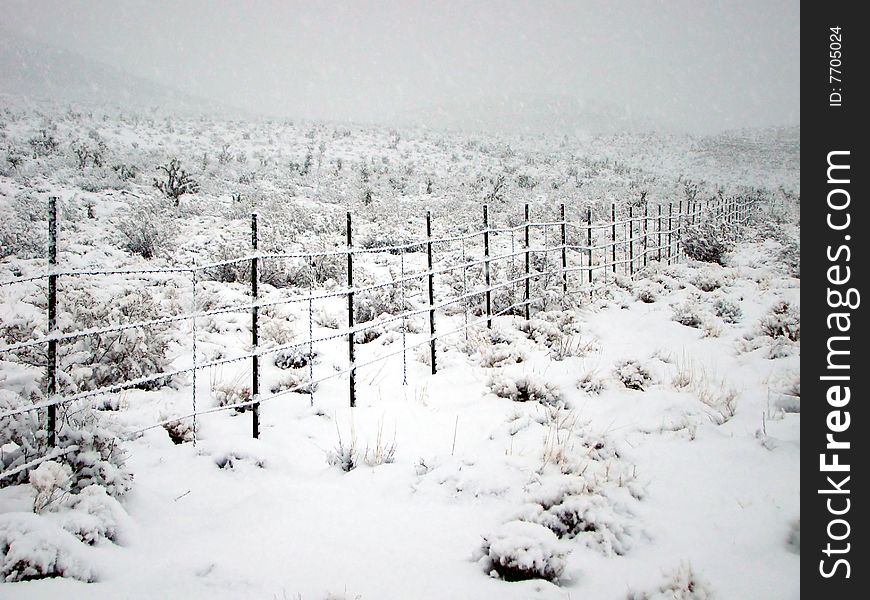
[(704, 64)]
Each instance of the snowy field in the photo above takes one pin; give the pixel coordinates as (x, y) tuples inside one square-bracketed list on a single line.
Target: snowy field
[(636, 438)]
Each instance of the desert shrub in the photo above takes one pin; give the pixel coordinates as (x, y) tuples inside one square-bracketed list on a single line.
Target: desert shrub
[(20, 235), (21, 442), (147, 231), (632, 374), (294, 358), (232, 393), (646, 295), (681, 584), (101, 359), (728, 310), (688, 313), (591, 384), (706, 281), (707, 241), (91, 515), (180, 431), (525, 387), (783, 320), (581, 514), (499, 355), (32, 547), (44, 143), (100, 458), (519, 550), (371, 304), (50, 482), (542, 332)]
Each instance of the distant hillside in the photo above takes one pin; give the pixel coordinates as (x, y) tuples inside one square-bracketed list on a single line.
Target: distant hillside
[(33, 70)]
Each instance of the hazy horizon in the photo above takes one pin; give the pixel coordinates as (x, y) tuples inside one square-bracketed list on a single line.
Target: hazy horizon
[(700, 67)]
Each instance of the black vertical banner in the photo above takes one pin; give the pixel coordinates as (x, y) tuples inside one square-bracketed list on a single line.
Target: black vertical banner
[(834, 176)]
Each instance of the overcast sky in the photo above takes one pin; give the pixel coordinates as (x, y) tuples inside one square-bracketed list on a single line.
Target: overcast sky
[(705, 64)]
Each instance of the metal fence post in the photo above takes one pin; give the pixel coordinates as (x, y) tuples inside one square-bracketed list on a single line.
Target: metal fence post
[(645, 231), (255, 337), (679, 231), (670, 232), (351, 354), (486, 273), (659, 234), (528, 261), (631, 240), (589, 240), (564, 249), (613, 236), (431, 279), (52, 319)]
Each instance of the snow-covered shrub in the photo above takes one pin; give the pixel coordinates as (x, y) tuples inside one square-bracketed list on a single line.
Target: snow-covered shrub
[(147, 230), (519, 550), (91, 515), (526, 387), (646, 295), (294, 358), (498, 355), (783, 320), (32, 547), (346, 454), (19, 443), (708, 241), (728, 310), (688, 313), (632, 374), (681, 584), (707, 281), (371, 304), (180, 431), (50, 482), (230, 459), (100, 458), (576, 513), (591, 383), (542, 332), (19, 236), (232, 393)]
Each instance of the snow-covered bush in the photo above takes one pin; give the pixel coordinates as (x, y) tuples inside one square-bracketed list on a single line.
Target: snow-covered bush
[(50, 482), (689, 313), (498, 355), (91, 515), (371, 304), (591, 383), (147, 230), (20, 443), (681, 584), (19, 236), (294, 358), (180, 431), (578, 513), (519, 550), (526, 387), (32, 547), (783, 320), (632, 374), (708, 241), (728, 310), (232, 393), (100, 458), (707, 281)]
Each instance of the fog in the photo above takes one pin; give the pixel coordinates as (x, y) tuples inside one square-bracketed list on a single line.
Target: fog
[(690, 65)]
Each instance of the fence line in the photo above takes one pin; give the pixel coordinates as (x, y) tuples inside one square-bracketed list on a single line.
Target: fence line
[(634, 247)]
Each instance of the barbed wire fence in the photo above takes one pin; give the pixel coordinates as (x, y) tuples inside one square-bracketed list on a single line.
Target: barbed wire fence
[(586, 252)]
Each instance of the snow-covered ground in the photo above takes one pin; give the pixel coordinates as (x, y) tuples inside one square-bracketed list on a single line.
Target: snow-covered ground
[(603, 443)]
